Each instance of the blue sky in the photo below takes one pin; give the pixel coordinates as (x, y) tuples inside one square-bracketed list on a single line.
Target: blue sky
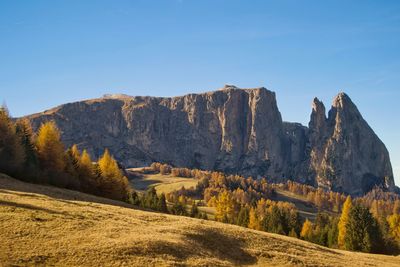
[(52, 52)]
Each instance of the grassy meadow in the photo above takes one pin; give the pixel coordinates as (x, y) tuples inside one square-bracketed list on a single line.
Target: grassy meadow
[(43, 226)]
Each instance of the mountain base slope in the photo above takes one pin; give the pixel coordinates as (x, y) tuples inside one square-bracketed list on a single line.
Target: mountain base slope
[(42, 225)]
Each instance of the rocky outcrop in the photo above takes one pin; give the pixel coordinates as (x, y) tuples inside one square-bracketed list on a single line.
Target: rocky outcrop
[(346, 154), (231, 130)]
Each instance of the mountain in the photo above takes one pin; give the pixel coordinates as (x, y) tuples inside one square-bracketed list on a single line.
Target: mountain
[(232, 130), (48, 226)]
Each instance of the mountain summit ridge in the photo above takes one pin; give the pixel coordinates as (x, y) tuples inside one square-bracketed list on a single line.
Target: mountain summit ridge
[(232, 130)]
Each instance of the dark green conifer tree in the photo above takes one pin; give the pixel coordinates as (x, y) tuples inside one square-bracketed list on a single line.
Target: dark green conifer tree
[(243, 217), (362, 231), (194, 211), (179, 209), (162, 204), (12, 155)]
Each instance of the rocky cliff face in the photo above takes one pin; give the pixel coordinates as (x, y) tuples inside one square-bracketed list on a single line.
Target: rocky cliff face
[(231, 130), (346, 154)]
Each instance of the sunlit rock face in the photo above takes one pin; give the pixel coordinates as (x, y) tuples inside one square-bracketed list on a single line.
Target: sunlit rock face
[(346, 154), (232, 130)]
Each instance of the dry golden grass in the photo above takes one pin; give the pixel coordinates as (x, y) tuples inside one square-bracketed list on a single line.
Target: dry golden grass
[(43, 225), (162, 183), (306, 209)]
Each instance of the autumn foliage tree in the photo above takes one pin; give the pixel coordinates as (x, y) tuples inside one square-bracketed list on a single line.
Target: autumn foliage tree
[(50, 148), (81, 167), (85, 175), (225, 207), (50, 151), (344, 218), (254, 222), (88, 177), (394, 224), (112, 183), (307, 230), (42, 158)]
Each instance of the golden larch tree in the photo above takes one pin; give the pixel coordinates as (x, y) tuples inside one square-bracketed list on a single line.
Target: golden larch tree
[(394, 225), (306, 230), (112, 182), (50, 148), (225, 207), (75, 153), (344, 218), (85, 162), (254, 222), (108, 165), (87, 173)]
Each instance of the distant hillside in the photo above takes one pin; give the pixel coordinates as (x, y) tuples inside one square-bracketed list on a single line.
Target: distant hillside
[(42, 225), (168, 183)]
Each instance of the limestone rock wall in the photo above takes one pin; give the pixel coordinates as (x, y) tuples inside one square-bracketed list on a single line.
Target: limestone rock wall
[(231, 130)]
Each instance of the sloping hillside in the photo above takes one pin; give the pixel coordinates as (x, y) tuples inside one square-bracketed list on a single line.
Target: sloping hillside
[(48, 226), (162, 183), (142, 181)]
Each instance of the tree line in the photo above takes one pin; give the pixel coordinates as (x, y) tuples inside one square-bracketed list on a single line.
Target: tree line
[(41, 157), (380, 202), (377, 213), (370, 223), (151, 200)]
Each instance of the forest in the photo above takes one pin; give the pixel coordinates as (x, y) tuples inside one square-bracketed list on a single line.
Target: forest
[(369, 224), (42, 158)]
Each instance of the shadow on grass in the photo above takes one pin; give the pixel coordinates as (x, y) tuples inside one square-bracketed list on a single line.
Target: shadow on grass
[(143, 185), (28, 206), (207, 244), (219, 245)]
